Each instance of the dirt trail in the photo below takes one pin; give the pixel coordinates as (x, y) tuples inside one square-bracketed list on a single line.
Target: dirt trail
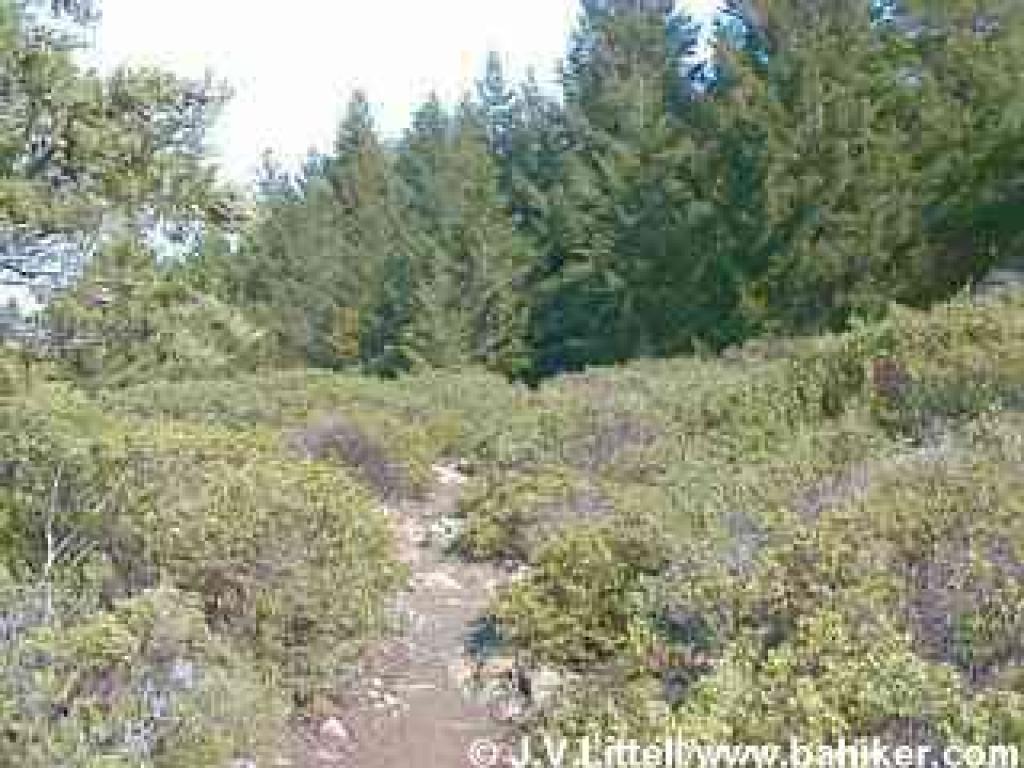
[(416, 707)]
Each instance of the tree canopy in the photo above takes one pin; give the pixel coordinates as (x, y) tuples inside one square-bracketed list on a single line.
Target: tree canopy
[(828, 160)]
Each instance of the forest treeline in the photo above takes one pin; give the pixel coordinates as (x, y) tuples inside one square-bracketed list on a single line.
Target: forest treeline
[(801, 166), (817, 163)]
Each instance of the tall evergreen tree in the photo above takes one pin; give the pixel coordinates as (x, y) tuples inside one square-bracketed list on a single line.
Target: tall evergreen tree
[(497, 103), (617, 208), (868, 132), (374, 255), (834, 157), (468, 299), (328, 261)]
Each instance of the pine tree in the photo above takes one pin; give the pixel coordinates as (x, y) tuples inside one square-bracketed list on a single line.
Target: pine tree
[(468, 296), (971, 58), (625, 63), (869, 136), (497, 105), (327, 263), (77, 148), (617, 213)]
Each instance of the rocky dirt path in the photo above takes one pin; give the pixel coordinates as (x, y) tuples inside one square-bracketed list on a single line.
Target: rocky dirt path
[(417, 705)]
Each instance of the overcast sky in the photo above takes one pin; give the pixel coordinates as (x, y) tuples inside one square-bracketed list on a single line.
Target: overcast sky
[(293, 65)]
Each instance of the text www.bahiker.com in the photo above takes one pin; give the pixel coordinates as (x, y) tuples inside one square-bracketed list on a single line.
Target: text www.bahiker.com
[(676, 752)]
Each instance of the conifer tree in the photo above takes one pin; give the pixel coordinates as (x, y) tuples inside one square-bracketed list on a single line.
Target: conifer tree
[(832, 158), (617, 210), (869, 135), (77, 148), (497, 104), (372, 251), (468, 295)]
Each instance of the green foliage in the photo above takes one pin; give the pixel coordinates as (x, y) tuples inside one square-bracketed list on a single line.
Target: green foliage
[(831, 680), (75, 146), (127, 321), (131, 549), (783, 531), (266, 541), (811, 538), (579, 605), (511, 515), (143, 683), (863, 189), (820, 570), (468, 309), (892, 566), (10, 373), (827, 163)]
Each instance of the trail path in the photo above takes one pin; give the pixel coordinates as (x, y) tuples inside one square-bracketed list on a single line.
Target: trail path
[(416, 708)]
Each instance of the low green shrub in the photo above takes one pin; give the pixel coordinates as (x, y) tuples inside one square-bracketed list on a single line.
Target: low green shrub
[(292, 559), (143, 683), (583, 598), (510, 515)]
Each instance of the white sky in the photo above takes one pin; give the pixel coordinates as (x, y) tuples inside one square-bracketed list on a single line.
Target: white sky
[(293, 65)]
